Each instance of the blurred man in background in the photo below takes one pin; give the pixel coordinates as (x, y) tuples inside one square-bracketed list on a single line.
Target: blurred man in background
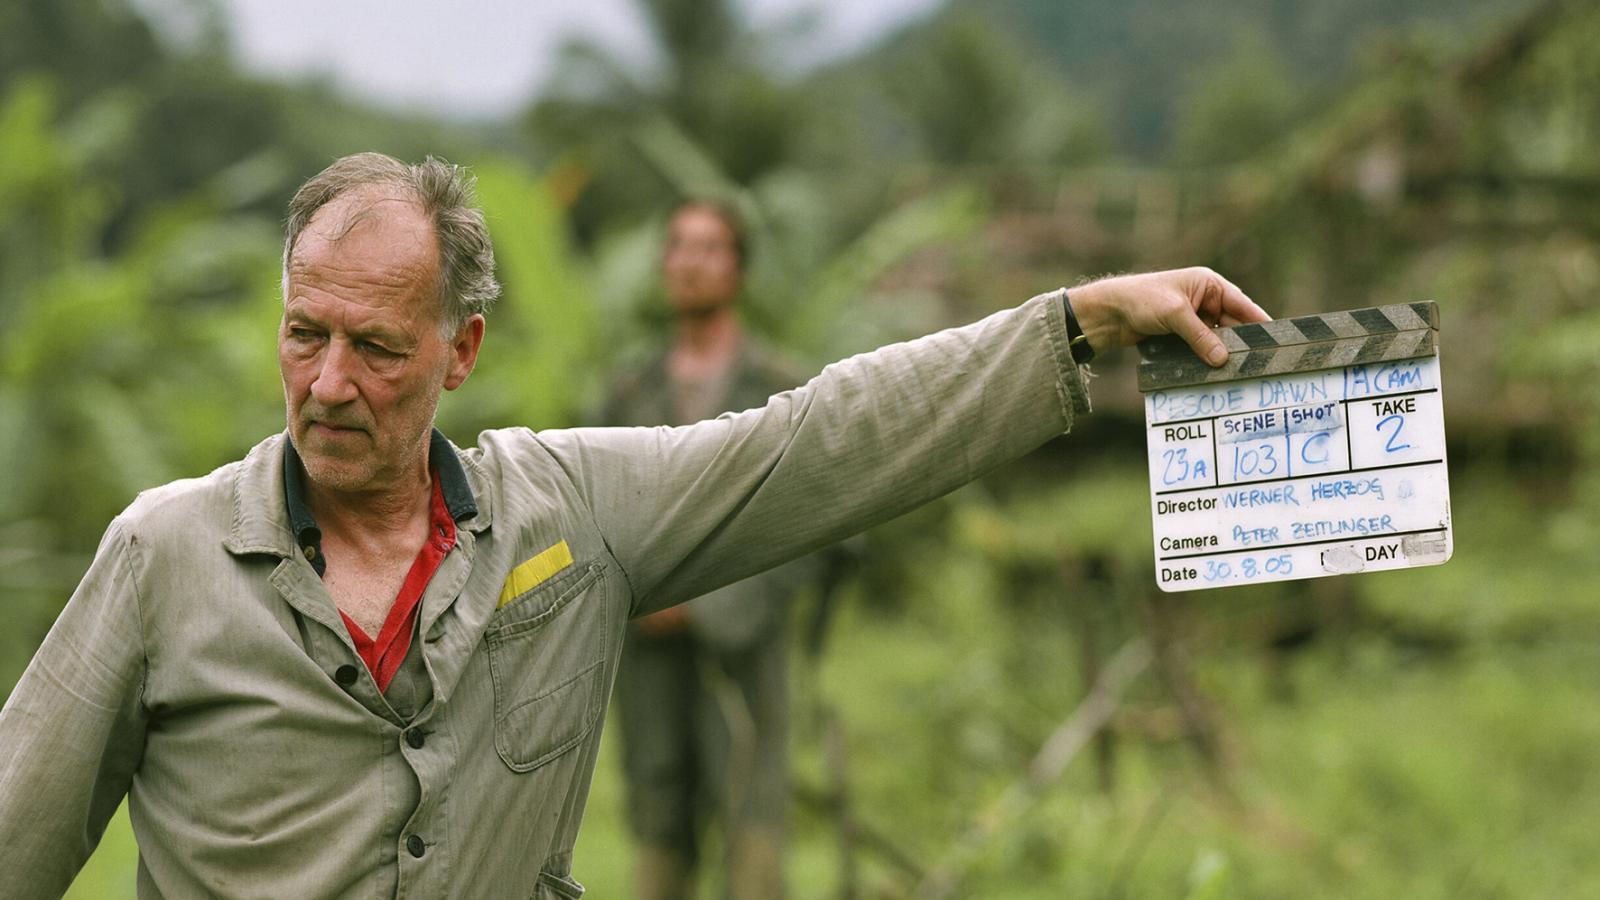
[(703, 687)]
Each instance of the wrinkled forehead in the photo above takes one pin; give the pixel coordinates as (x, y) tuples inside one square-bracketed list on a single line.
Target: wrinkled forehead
[(378, 226)]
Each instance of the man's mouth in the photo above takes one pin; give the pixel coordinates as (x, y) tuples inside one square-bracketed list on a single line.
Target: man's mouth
[(328, 428)]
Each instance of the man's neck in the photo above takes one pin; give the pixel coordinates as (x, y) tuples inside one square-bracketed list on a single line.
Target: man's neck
[(373, 517), (706, 342)]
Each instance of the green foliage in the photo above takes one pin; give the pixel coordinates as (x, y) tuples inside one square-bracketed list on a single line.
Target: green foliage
[(1367, 768), (715, 91), (824, 313), (972, 92), (89, 44), (1426, 733), (1143, 57), (48, 213), (537, 364), (1237, 105)]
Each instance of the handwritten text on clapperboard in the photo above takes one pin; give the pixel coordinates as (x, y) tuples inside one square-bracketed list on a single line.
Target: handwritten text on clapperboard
[(1298, 474)]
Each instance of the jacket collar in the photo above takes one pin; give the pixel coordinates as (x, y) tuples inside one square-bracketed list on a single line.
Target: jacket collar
[(269, 513)]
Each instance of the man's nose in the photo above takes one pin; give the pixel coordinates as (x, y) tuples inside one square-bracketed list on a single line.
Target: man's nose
[(335, 383)]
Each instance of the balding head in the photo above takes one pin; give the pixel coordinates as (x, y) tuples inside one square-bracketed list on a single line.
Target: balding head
[(442, 194)]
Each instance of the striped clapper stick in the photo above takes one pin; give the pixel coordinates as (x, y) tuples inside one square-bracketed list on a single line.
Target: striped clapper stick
[(1317, 449)]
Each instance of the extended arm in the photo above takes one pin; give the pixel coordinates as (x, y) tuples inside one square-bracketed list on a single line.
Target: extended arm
[(686, 510)]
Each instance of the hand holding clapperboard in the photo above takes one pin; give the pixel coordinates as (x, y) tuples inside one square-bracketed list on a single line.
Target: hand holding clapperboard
[(1317, 449)]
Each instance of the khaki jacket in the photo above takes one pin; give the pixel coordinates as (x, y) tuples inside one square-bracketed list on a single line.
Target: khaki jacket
[(197, 668)]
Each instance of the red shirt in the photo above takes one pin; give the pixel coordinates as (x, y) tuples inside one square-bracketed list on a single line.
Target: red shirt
[(384, 653)]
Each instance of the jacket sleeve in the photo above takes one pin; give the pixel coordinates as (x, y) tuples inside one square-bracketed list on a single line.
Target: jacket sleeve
[(72, 732), (686, 510)]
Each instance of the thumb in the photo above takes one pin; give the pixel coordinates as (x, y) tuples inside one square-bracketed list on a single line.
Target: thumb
[(1199, 336)]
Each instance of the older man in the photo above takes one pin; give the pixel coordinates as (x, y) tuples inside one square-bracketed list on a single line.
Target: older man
[(364, 662)]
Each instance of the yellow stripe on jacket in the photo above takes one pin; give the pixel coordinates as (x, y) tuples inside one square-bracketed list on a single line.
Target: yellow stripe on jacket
[(534, 572)]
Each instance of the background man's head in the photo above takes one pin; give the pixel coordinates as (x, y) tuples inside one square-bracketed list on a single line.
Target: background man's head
[(704, 259), (387, 271)]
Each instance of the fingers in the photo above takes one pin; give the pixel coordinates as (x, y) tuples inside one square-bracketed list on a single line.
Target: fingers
[(1216, 301), (1185, 302), (1186, 323), (1236, 308)]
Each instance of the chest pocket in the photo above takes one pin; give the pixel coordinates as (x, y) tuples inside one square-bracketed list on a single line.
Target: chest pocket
[(546, 655)]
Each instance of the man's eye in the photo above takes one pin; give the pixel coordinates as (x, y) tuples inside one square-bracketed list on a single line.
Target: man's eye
[(301, 334), (377, 350)]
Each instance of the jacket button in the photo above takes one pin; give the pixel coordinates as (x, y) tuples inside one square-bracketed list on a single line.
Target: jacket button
[(414, 738), (345, 675), (415, 847)]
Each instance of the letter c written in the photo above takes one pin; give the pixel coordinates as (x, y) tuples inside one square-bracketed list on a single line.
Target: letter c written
[(1318, 455)]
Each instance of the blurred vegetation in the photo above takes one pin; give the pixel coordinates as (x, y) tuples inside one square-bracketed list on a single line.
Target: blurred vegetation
[(1429, 733)]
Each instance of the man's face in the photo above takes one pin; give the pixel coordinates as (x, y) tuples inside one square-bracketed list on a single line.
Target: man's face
[(701, 263), (359, 345)]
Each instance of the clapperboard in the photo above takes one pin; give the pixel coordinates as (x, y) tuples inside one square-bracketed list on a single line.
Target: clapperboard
[(1318, 449)]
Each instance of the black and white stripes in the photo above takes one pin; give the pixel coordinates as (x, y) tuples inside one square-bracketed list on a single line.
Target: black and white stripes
[(1302, 344)]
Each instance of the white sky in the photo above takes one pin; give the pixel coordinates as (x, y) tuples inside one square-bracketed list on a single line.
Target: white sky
[(486, 57)]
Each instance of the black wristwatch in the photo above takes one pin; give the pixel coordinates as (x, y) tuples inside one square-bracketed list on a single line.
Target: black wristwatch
[(1077, 341)]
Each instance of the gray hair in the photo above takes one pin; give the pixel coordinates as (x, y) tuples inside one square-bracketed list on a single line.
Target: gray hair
[(445, 193)]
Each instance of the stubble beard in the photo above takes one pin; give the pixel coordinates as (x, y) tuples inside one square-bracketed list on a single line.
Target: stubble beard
[(339, 468)]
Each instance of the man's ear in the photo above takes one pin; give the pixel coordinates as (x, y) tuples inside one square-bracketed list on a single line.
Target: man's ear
[(464, 352)]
